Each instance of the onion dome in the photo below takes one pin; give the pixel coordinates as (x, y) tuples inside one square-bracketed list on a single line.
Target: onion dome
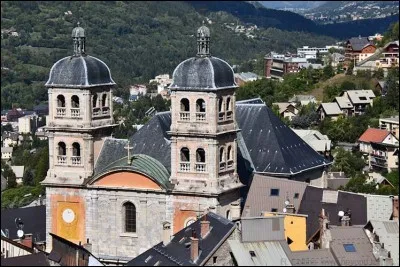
[(79, 70), (203, 72)]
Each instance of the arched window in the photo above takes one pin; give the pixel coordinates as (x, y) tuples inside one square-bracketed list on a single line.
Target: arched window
[(130, 217), (104, 100), (62, 149), (94, 100), (200, 105), (228, 215), (185, 105), (60, 101), (220, 105), (75, 101), (228, 104), (185, 155), (200, 155), (230, 153), (76, 150), (221, 155)]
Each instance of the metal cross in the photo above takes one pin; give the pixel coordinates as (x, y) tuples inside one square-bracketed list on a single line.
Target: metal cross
[(128, 147)]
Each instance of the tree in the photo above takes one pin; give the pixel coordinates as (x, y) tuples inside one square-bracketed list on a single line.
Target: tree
[(28, 178), (350, 69), (379, 74), (42, 166), (11, 180), (328, 71), (358, 184), (392, 84)]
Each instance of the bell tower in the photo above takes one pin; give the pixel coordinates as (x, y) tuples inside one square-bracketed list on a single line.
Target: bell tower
[(203, 132), (80, 113)]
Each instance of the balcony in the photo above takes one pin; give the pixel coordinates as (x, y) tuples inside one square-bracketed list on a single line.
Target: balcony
[(229, 115), (61, 112), (62, 160), (222, 166), (76, 160), (184, 116), (221, 116), (105, 111), (378, 161), (184, 167), (96, 112), (200, 116), (230, 164), (75, 112), (200, 167)]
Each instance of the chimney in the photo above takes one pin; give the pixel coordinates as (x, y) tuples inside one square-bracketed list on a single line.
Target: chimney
[(290, 208), (345, 220), (235, 210), (204, 227), (194, 247), (88, 245), (27, 241), (166, 238)]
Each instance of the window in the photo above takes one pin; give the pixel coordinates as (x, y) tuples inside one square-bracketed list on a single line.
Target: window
[(252, 253), (296, 195), (185, 105), (76, 149), (60, 101), (104, 100), (363, 98), (62, 149), (130, 217), (200, 155), (185, 156), (349, 248), (228, 104), (274, 210), (274, 192), (214, 259), (289, 241), (221, 155), (95, 101), (200, 105), (75, 101), (230, 152), (228, 214), (220, 105)]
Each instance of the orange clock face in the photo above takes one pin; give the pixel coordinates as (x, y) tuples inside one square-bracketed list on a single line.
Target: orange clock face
[(67, 220)]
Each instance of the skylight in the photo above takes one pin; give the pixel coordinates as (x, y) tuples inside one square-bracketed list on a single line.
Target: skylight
[(252, 253), (349, 248)]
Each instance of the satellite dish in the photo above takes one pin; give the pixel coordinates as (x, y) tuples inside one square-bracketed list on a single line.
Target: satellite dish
[(287, 202), (20, 233), (284, 210), (341, 213)]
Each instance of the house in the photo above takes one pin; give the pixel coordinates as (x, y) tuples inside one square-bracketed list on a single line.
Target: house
[(14, 114), (391, 124), (294, 229), (287, 110), (380, 87), (9, 139), (380, 146), (360, 99), (162, 81), (203, 242), (304, 100), (19, 173), (11, 248), (42, 109), (261, 243), (318, 141), (276, 66), (244, 77), (336, 59), (352, 147), (335, 180), (136, 91), (67, 253), (331, 110), (6, 153), (345, 105), (24, 125), (384, 234), (358, 48), (31, 220), (379, 179), (349, 244), (312, 52)]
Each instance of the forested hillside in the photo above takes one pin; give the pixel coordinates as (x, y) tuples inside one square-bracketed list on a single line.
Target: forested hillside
[(137, 40)]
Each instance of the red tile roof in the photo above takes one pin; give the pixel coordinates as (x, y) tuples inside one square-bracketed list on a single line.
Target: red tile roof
[(373, 135)]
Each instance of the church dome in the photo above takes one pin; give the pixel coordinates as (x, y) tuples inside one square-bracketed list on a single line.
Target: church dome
[(79, 70), (203, 72)]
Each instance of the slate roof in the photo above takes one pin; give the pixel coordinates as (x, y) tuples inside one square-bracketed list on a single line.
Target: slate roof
[(358, 43), (342, 235), (283, 106), (34, 219), (177, 252), (331, 108), (79, 72), (373, 135), (388, 232), (356, 96), (273, 147), (299, 98), (111, 151), (152, 139), (259, 199), (315, 257), (36, 259), (203, 73), (312, 204), (267, 253)]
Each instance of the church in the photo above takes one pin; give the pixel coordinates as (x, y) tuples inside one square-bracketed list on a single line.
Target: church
[(121, 195)]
